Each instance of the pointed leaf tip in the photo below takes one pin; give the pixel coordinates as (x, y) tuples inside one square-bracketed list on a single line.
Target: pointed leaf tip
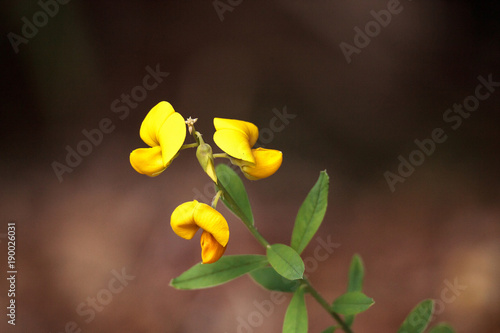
[(352, 303)]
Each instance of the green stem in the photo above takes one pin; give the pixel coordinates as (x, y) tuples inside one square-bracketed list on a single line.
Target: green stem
[(216, 199), (221, 155), (199, 141), (234, 161), (190, 145), (317, 296), (258, 236), (198, 137), (314, 293)]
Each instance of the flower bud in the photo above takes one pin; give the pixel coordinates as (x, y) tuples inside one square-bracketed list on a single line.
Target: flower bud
[(206, 159)]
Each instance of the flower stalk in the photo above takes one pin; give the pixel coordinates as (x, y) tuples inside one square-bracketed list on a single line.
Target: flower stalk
[(215, 200), (190, 145)]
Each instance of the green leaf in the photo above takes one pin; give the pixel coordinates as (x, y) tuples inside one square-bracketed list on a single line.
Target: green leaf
[(268, 278), (418, 319), (286, 261), (225, 269), (356, 275), (352, 303), (235, 196), (296, 314), (311, 214), (349, 320), (442, 328), (330, 329)]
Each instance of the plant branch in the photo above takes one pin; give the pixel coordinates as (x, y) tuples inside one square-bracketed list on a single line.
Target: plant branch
[(215, 200), (314, 293), (258, 236), (189, 145), (221, 155)]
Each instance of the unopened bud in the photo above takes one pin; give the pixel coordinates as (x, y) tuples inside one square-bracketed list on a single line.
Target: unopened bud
[(206, 159)]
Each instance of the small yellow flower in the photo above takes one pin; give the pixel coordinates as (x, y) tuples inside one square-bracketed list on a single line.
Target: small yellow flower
[(236, 138), (164, 130), (190, 216)]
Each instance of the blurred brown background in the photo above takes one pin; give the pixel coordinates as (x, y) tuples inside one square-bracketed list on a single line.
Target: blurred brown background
[(438, 228)]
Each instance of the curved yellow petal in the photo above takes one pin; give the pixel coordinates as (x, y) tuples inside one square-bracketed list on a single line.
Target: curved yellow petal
[(236, 137), (171, 136), (182, 220), (239, 125), (153, 122), (267, 162), (213, 222), (147, 161), (211, 250)]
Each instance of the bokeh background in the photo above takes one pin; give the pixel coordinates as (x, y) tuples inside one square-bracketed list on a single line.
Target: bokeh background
[(439, 227)]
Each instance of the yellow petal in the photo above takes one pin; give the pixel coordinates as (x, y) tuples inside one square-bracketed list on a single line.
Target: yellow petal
[(182, 220), (213, 222), (211, 250), (236, 137), (171, 136), (153, 122), (267, 162), (238, 125), (165, 128), (147, 161)]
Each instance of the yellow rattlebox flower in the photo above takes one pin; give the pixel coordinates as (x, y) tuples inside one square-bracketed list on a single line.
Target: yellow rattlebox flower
[(190, 216), (236, 138), (164, 130)]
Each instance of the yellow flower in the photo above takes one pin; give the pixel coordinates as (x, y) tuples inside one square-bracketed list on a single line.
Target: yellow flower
[(236, 138), (187, 218), (164, 130)]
